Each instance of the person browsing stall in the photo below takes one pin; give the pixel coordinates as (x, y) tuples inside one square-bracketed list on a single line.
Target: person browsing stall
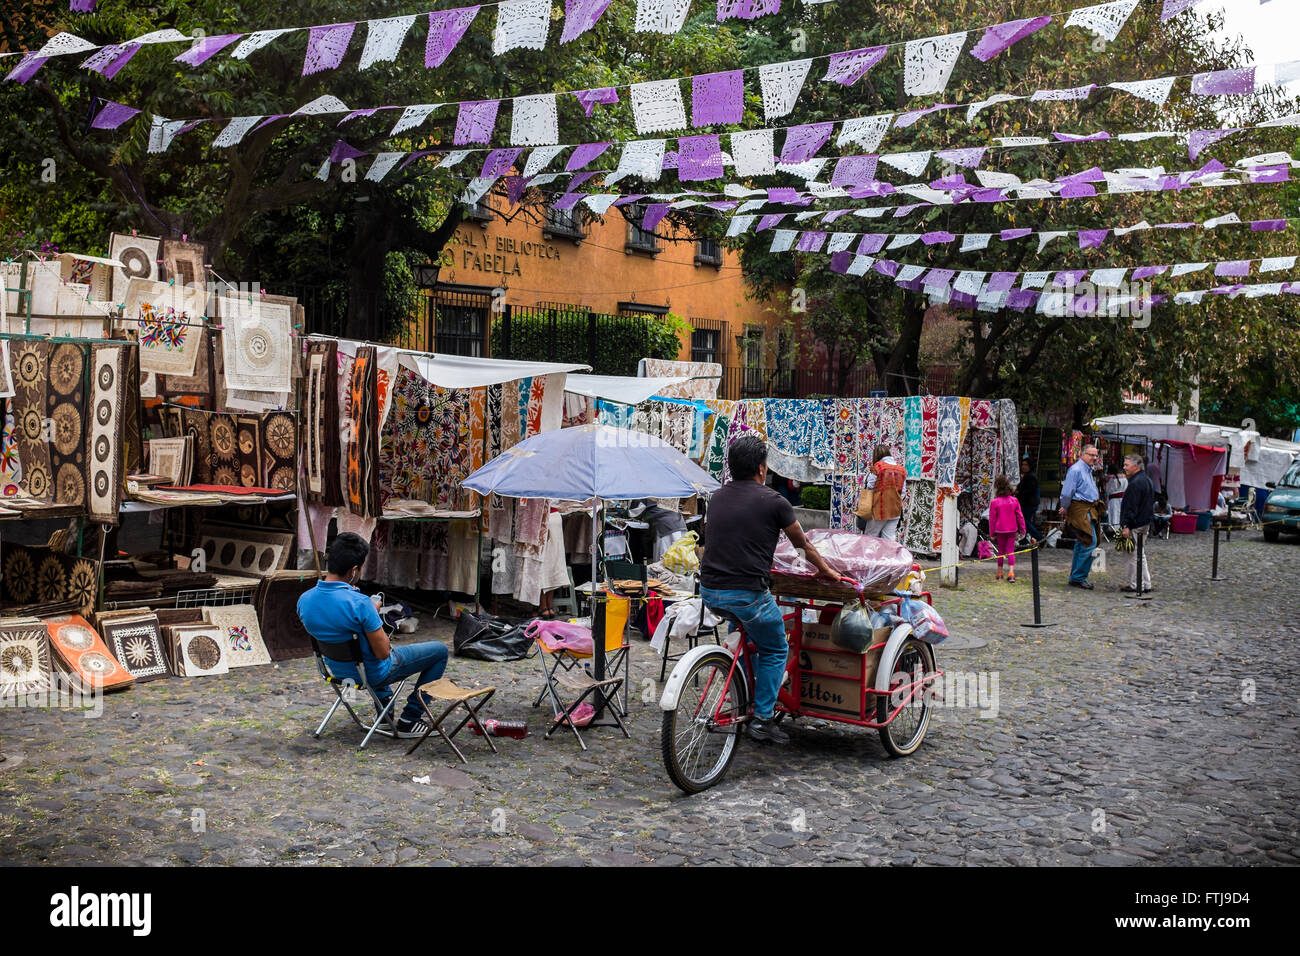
[(884, 490), (744, 523), (334, 611), (1137, 511), (1081, 509)]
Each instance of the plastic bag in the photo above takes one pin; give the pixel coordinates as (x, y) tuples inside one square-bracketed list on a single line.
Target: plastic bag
[(877, 565), (681, 557), (561, 636), (487, 639), (926, 622)]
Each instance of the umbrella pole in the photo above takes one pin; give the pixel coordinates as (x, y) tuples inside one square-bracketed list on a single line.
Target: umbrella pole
[(597, 606)]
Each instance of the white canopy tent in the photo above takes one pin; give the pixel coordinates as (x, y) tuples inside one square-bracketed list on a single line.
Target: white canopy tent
[(627, 390)]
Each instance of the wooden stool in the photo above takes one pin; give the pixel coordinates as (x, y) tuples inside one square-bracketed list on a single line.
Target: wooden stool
[(455, 697)]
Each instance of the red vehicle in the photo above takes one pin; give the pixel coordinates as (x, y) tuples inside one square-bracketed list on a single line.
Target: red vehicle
[(708, 698)]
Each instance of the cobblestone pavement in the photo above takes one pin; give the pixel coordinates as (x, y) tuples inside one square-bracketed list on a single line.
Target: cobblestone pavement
[(1131, 733)]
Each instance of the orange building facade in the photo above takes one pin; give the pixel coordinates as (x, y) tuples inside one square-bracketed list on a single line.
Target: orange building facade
[(536, 258)]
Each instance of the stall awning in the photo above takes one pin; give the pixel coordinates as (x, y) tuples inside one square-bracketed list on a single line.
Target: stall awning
[(463, 371), (1193, 446), (626, 390)]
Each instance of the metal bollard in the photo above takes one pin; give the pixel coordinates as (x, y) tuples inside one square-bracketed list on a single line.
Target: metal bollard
[(1214, 561), (1038, 602)]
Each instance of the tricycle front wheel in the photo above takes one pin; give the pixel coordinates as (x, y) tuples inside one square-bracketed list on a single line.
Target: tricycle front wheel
[(903, 735)]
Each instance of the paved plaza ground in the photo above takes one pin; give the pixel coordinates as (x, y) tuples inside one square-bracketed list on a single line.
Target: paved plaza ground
[(1130, 733)]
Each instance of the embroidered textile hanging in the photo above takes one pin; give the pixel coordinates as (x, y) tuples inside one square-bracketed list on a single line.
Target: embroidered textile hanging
[(363, 450), (65, 408), (320, 427), (103, 460)]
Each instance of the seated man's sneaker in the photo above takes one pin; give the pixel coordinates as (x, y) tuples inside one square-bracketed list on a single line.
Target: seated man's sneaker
[(767, 731), (408, 730)]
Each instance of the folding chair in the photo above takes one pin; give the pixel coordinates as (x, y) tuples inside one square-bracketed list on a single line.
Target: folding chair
[(455, 697), (564, 600), (349, 652), (567, 672), (692, 639)]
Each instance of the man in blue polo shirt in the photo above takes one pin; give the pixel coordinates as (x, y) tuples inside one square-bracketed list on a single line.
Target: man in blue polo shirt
[(335, 611), (1079, 499)]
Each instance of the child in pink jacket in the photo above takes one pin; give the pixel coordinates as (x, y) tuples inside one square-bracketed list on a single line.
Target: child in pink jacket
[(1006, 524)]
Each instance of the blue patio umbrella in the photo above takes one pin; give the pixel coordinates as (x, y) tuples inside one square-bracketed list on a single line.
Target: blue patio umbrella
[(592, 463)]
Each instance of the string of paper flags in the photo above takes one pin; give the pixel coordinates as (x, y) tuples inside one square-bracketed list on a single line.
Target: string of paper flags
[(524, 24)]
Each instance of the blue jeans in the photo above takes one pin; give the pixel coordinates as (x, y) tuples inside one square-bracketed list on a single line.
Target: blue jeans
[(428, 659), (1082, 563), (761, 618)]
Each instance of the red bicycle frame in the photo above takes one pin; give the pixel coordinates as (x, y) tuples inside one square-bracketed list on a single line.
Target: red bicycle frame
[(786, 697)]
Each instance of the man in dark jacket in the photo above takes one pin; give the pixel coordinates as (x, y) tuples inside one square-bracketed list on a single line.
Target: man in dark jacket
[(1135, 514), (1027, 494)]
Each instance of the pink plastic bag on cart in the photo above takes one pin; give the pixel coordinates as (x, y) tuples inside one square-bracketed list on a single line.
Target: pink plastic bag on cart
[(877, 565)]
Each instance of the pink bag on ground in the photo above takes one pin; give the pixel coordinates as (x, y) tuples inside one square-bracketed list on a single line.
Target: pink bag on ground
[(561, 636), (984, 549)]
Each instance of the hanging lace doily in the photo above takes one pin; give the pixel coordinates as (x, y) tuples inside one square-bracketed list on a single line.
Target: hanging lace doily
[(476, 190), (847, 68), (321, 105), (803, 142), (902, 240), (908, 273), (580, 16), (661, 16), (840, 241), (1277, 263), (1021, 140), (1105, 19), (64, 43), (865, 132), (169, 35), (235, 130), (521, 24), (808, 170), (781, 83), (539, 159), (969, 282), (383, 165), (739, 225), (754, 152), (717, 98), (911, 163), (1045, 237), (412, 117), (326, 47), (446, 27), (928, 63), (641, 158), (1074, 93), (657, 106), (534, 120), (162, 132), (454, 157), (970, 157), (600, 202), (1153, 91), (783, 240), (475, 122), (974, 109), (255, 41), (974, 241), (384, 40)]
